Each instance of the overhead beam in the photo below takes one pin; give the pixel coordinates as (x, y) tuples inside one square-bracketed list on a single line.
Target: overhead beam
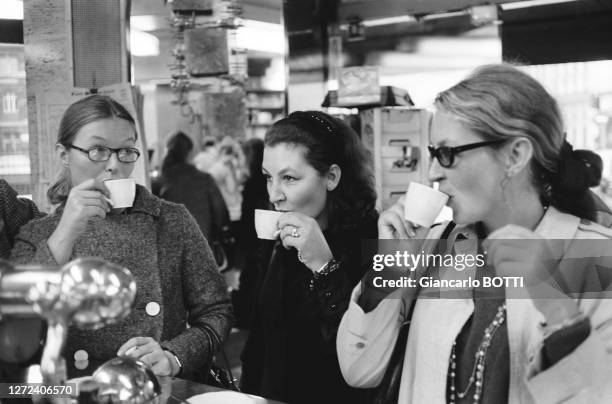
[(372, 9)]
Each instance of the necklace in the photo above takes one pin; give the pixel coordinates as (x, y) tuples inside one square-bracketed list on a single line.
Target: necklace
[(477, 375)]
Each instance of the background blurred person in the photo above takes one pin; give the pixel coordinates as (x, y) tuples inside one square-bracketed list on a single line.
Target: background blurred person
[(318, 175), (228, 170), (254, 196), (515, 185), (181, 182), (207, 156), (181, 297)]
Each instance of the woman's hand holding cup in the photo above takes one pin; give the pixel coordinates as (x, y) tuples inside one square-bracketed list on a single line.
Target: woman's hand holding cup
[(304, 234), (393, 226), (86, 201)]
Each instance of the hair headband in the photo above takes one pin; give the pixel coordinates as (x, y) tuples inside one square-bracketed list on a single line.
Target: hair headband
[(323, 123)]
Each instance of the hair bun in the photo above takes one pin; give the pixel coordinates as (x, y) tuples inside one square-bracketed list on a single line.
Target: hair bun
[(578, 169)]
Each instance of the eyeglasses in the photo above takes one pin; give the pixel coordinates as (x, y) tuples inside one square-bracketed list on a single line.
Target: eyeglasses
[(446, 155), (101, 153)]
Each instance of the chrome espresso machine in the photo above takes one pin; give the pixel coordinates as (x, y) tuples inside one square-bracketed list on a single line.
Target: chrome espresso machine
[(88, 293)]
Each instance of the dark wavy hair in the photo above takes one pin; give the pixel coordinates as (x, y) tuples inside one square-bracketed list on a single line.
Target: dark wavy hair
[(90, 109), (502, 102), (179, 146), (328, 141)]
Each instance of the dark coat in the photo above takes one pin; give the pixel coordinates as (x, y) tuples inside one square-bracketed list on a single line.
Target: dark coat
[(14, 213), (161, 244), (198, 191), (290, 354)]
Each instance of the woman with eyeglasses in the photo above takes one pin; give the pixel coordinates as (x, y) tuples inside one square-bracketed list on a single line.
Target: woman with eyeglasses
[(521, 201), (158, 241)]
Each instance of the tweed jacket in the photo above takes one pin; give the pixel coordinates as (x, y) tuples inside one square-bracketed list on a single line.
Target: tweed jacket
[(176, 277), (366, 340)]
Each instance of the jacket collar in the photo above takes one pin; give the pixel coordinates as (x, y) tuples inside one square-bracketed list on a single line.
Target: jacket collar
[(145, 202)]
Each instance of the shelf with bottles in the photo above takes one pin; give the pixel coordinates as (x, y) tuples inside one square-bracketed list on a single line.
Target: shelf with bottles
[(264, 107), (265, 99)]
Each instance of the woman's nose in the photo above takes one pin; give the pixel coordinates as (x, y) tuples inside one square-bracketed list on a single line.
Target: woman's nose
[(436, 173), (275, 192), (112, 164)]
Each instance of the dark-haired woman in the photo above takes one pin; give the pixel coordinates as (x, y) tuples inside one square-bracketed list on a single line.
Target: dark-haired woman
[(317, 175), (181, 297), (182, 182), (520, 197)]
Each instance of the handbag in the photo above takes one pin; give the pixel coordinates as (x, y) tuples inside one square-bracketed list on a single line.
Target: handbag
[(387, 391), (219, 376)]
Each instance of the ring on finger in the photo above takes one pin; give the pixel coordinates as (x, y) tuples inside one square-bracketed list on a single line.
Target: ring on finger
[(295, 233)]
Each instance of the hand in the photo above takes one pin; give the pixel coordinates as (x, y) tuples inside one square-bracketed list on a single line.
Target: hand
[(310, 242), (148, 351), (391, 223), (515, 251), (85, 202)]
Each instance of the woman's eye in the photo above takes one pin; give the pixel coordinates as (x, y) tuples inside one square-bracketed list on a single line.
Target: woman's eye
[(288, 178), (268, 177)]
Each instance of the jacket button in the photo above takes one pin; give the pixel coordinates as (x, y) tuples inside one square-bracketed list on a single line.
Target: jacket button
[(152, 309), (327, 294), (81, 355), (81, 365)]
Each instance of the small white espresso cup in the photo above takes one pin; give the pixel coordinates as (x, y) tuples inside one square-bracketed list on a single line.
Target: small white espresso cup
[(423, 204), (266, 223), (122, 192)]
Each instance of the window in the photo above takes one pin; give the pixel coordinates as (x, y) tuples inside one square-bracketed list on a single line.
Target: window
[(9, 103), (14, 138)]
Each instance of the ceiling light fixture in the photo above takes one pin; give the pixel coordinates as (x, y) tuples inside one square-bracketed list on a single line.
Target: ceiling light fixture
[(143, 43), (532, 3)]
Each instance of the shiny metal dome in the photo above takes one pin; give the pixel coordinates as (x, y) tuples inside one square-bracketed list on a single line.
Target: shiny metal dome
[(126, 380)]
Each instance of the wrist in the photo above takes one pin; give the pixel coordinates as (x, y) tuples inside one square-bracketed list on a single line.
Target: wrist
[(319, 265), (175, 364), (60, 246)]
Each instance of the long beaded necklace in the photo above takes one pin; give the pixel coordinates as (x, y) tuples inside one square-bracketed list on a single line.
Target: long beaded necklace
[(477, 375)]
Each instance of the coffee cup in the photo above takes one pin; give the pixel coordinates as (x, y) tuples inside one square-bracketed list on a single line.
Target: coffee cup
[(122, 192), (266, 223), (423, 204)]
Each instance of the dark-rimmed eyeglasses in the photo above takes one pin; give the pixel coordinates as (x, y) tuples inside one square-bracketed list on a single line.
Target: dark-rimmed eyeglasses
[(101, 153), (446, 155)]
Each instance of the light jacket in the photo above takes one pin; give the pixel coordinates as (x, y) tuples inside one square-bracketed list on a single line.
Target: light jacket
[(365, 340)]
